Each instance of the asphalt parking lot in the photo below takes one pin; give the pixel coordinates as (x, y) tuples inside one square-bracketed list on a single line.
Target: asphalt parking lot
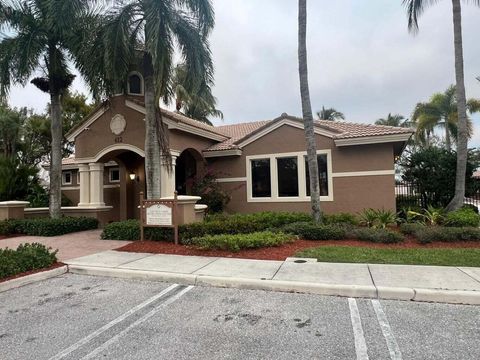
[(83, 317)]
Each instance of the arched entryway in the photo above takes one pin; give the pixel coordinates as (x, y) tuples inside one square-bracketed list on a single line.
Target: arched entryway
[(189, 165), (124, 179)]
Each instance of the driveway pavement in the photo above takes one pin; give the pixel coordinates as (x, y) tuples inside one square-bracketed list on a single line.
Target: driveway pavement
[(84, 317), (70, 245)]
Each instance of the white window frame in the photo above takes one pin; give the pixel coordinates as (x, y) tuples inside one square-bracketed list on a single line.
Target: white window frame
[(142, 84), (64, 182), (110, 175), (302, 189)]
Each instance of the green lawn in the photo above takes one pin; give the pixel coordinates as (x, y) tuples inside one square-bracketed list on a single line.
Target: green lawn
[(447, 257)]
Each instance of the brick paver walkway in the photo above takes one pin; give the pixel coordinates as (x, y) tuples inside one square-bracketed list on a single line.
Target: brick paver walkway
[(70, 245)]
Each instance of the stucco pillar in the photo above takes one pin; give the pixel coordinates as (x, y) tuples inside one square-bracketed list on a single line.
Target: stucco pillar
[(84, 176), (96, 184), (167, 181)]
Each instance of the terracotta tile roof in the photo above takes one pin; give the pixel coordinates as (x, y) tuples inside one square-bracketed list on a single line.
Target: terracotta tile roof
[(183, 119), (236, 132), (342, 129), (353, 130)]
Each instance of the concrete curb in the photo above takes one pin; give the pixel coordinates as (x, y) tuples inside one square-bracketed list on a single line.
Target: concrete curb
[(29, 279), (357, 291), (184, 279)]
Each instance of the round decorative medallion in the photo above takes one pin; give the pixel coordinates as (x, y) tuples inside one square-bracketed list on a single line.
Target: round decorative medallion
[(118, 124)]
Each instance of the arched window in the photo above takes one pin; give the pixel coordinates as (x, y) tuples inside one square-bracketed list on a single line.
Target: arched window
[(135, 84)]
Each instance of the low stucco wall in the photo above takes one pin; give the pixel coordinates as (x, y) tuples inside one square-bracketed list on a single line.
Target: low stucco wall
[(104, 215)]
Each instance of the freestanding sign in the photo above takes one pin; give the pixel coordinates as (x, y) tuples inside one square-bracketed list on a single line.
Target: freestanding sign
[(158, 213)]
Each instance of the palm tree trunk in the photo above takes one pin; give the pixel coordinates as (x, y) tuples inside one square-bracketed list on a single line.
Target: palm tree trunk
[(307, 112), (56, 156), (152, 148), (462, 141), (448, 142)]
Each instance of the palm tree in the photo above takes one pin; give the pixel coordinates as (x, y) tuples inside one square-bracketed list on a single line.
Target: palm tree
[(396, 120), (415, 9), (199, 104), (146, 32), (44, 35), (307, 112), (441, 111), (330, 114)]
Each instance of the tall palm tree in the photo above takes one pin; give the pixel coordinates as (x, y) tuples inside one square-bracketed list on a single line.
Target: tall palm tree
[(307, 112), (415, 9), (330, 114), (393, 120), (199, 104), (147, 32), (44, 35), (441, 111)]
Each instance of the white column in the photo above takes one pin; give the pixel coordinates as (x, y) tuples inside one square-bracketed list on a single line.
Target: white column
[(84, 176), (96, 184), (167, 181)]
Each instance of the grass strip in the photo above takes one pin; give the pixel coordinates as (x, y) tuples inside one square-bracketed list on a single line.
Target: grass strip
[(348, 254)]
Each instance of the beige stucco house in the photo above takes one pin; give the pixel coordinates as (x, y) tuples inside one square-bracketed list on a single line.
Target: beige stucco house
[(262, 164)]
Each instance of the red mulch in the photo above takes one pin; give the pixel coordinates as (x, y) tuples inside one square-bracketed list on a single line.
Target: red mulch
[(278, 252), (51, 267)]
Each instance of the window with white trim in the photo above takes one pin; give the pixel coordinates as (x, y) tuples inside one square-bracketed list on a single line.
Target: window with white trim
[(261, 184), (67, 178), (114, 175), (284, 177)]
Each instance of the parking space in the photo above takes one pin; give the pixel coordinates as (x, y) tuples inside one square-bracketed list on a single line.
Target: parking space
[(83, 317)]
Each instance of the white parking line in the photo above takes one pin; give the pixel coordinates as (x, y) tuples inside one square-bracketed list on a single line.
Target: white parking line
[(392, 345), (152, 312), (112, 323), (360, 344)]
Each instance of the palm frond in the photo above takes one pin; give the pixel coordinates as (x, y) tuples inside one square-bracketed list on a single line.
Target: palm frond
[(415, 9)]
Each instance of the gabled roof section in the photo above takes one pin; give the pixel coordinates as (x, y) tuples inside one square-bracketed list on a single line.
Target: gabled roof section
[(343, 133)]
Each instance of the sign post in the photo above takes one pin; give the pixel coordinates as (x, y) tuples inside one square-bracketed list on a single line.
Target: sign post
[(158, 213)]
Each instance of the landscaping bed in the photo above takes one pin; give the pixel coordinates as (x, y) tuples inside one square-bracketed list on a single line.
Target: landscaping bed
[(25, 259), (31, 272), (46, 226), (286, 250)]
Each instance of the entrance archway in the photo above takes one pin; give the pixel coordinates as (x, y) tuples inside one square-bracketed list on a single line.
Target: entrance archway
[(124, 194), (189, 165)]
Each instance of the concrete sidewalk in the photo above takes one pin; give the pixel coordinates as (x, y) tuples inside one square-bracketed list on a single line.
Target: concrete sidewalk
[(400, 282)]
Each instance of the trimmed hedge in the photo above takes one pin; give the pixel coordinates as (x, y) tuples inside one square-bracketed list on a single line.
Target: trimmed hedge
[(47, 226), (377, 235), (27, 257), (430, 234), (238, 242), (462, 217), (312, 231), (340, 218), (411, 228), (213, 225)]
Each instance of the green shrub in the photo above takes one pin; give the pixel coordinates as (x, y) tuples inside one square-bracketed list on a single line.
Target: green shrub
[(47, 226), (340, 218), (410, 228), (213, 225), (377, 235), (130, 230), (312, 231), (377, 218), (471, 207), (462, 217), (27, 257), (238, 242), (447, 234)]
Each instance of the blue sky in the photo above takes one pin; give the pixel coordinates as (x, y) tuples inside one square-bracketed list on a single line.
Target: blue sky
[(362, 60)]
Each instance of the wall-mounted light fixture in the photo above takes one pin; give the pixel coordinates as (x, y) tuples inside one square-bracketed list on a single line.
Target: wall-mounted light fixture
[(132, 176)]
